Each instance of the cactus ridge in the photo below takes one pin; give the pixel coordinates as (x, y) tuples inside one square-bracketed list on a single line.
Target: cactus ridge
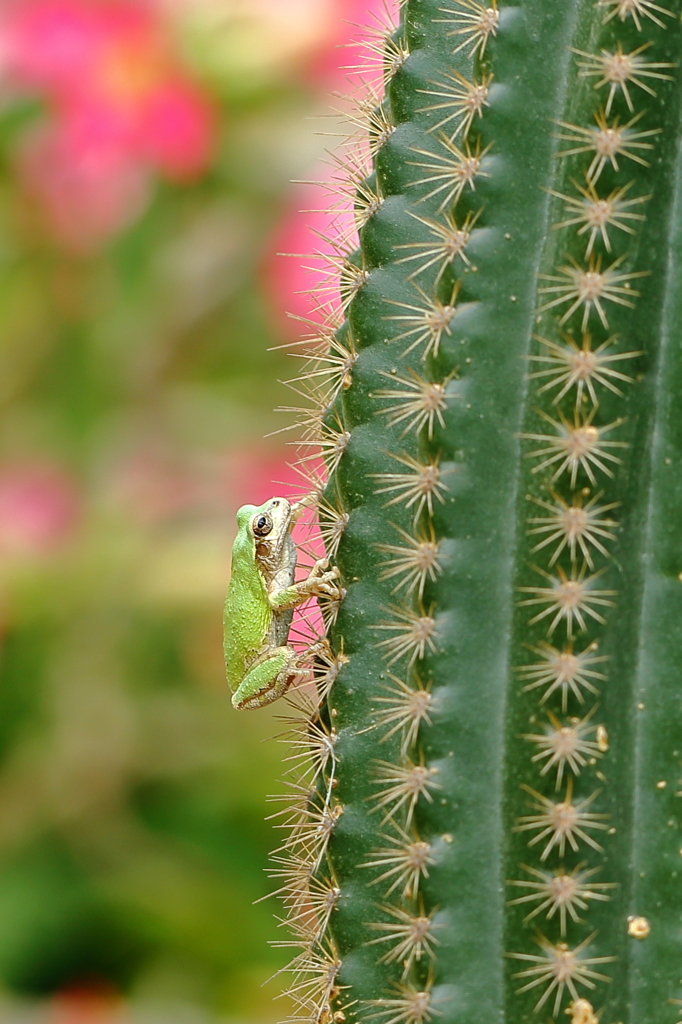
[(471, 826)]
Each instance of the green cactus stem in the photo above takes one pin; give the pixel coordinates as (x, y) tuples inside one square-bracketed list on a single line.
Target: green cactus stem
[(489, 828)]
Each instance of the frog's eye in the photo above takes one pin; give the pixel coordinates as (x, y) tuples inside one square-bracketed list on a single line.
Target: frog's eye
[(262, 526)]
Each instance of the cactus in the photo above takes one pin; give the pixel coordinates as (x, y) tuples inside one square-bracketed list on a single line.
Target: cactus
[(488, 825)]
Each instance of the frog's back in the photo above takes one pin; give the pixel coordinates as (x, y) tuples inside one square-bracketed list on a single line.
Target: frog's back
[(247, 612)]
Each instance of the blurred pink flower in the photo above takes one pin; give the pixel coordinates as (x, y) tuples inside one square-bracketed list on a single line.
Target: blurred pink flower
[(301, 270), (299, 275), (87, 193), (336, 62), (38, 509), (176, 129), (49, 46), (120, 106)]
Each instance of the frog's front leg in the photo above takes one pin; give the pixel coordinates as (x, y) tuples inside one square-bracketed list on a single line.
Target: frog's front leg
[(320, 583), (267, 679)]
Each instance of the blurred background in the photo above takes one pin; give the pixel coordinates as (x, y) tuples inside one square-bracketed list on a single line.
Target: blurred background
[(146, 153)]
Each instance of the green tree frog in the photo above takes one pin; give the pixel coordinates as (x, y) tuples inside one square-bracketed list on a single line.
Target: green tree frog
[(260, 603)]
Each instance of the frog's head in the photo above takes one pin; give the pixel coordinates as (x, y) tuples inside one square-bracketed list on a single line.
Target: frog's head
[(268, 526)]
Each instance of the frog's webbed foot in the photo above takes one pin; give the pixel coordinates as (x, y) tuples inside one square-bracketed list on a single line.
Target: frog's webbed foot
[(322, 581), (269, 676)]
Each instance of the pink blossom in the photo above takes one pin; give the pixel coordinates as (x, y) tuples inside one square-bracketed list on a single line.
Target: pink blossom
[(86, 193), (298, 276), (176, 130), (333, 67), (38, 509), (50, 45), (119, 107)]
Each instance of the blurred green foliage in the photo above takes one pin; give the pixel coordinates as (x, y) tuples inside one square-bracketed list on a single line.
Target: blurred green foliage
[(136, 386)]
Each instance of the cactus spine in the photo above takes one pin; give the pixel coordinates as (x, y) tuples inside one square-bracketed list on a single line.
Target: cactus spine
[(489, 824)]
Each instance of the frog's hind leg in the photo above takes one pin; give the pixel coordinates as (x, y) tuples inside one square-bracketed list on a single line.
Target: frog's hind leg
[(267, 679)]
